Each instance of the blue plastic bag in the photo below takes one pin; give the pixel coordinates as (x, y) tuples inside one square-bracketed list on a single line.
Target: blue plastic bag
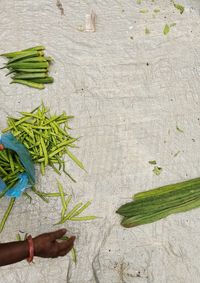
[(2, 185), (26, 179)]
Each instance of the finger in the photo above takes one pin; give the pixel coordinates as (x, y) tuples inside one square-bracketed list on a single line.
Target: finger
[(65, 245), (63, 253), (66, 250), (57, 234)]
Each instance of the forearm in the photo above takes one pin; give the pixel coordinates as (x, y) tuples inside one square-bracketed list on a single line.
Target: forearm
[(44, 245), (13, 252)]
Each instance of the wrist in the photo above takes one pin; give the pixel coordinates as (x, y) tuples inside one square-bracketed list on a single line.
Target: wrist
[(30, 248), (36, 247)]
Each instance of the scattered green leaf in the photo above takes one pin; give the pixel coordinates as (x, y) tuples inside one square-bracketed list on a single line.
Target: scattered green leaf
[(147, 31), (153, 162), (157, 170), (179, 7), (179, 130), (176, 153), (144, 11), (166, 29)]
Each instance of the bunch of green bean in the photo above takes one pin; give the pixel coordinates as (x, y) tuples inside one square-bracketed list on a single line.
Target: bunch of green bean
[(46, 137), (74, 213), (29, 67), (10, 167)]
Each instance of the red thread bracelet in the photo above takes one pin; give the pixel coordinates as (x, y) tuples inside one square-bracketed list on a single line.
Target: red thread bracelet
[(30, 248), (1, 147)]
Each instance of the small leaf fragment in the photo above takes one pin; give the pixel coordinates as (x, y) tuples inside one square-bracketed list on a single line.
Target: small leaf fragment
[(157, 170), (179, 7), (144, 11), (166, 29), (153, 162), (176, 153), (147, 31), (179, 130)]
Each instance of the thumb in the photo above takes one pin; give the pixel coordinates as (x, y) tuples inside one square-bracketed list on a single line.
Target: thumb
[(57, 234)]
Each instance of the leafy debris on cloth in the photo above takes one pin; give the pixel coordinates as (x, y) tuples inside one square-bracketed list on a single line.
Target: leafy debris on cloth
[(152, 162), (179, 7), (166, 29), (179, 130), (157, 170)]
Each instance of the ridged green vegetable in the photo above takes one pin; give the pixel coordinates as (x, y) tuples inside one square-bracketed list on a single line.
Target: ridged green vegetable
[(19, 71), (13, 54), (28, 83), (30, 76), (161, 202), (25, 55), (29, 67), (47, 80), (35, 59), (35, 48)]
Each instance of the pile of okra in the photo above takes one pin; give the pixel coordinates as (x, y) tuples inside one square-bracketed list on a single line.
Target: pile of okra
[(29, 67)]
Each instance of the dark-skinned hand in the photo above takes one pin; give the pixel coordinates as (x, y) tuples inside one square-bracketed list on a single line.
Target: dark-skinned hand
[(47, 245)]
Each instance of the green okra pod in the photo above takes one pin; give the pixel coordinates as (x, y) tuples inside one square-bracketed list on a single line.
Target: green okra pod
[(35, 48), (30, 71), (28, 83), (14, 54), (28, 65), (34, 59), (25, 55), (29, 76), (47, 80)]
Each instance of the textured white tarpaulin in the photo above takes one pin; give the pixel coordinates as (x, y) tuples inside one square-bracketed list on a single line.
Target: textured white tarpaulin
[(128, 91)]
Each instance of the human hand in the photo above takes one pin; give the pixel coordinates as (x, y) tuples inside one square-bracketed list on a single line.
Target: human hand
[(46, 245)]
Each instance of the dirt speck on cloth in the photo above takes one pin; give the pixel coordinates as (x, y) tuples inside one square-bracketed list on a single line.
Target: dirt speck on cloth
[(60, 7)]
